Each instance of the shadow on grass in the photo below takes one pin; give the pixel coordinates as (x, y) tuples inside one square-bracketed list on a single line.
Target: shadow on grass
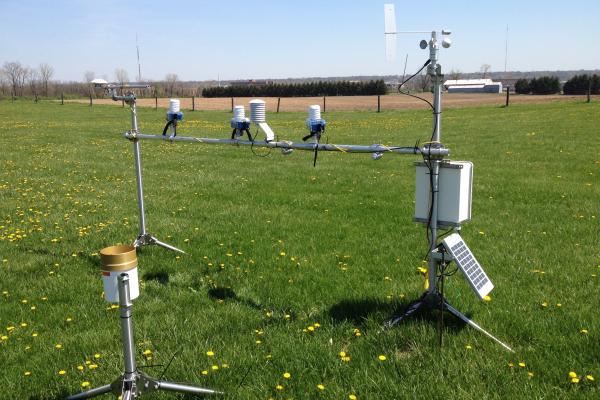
[(161, 277), (228, 294), (358, 312)]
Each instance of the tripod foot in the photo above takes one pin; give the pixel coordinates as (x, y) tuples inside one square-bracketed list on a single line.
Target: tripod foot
[(458, 314), (147, 239), (181, 388)]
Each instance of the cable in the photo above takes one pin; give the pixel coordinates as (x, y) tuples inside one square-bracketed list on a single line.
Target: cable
[(409, 78), (252, 147), (169, 364)]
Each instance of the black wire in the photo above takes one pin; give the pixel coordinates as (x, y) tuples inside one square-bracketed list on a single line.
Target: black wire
[(415, 74), (254, 152), (169, 364), (409, 78)]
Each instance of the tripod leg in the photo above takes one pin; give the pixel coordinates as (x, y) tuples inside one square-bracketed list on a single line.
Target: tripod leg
[(91, 393), (166, 246), (457, 313), (178, 387), (410, 310)]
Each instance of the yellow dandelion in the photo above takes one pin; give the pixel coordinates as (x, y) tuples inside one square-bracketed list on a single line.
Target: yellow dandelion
[(530, 374), (80, 367), (468, 347), (589, 378), (342, 354), (352, 397), (320, 386), (522, 364), (382, 357), (147, 352), (214, 367), (210, 353), (205, 372), (27, 373), (575, 380), (311, 328), (69, 319), (510, 365), (62, 372), (346, 359), (3, 337), (279, 387), (287, 375), (85, 384), (584, 331), (487, 298), (58, 346), (97, 356), (572, 374), (317, 325), (34, 334)]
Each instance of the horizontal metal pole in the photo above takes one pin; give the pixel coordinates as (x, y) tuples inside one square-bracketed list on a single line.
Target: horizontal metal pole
[(343, 148), (128, 86)]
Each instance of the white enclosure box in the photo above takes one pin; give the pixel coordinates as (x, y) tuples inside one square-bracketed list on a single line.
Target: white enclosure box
[(454, 195)]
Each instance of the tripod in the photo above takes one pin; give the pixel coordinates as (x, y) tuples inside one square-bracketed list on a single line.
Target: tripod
[(433, 298), (132, 384)]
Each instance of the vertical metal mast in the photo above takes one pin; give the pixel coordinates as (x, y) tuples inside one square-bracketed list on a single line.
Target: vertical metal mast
[(434, 70)]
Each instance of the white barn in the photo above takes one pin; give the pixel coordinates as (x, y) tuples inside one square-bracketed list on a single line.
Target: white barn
[(472, 86)]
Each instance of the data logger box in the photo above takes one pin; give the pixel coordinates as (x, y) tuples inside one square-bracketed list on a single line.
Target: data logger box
[(454, 195)]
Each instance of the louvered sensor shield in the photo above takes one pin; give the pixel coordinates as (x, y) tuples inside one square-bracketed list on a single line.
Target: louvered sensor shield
[(468, 264)]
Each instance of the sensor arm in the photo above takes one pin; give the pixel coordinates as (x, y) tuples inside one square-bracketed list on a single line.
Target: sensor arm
[(434, 152)]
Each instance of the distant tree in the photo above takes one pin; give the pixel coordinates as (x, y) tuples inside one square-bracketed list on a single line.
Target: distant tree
[(33, 80), (595, 84), (580, 84), (3, 84), (424, 81), (121, 75), (522, 86), (45, 74), (484, 69), (171, 83), (455, 74), (545, 85), (16, 74), (89, 76)]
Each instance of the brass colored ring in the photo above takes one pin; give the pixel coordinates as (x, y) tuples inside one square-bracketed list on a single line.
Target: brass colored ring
[(118, 258)]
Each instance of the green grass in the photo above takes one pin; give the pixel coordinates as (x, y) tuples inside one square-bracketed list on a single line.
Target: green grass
[(275, 246)]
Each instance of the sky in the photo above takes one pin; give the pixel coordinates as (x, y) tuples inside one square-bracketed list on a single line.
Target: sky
[(261, 39)]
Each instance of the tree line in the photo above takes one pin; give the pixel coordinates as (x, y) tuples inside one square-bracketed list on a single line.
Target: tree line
[(18, 80), (578, 84), (308, 89)]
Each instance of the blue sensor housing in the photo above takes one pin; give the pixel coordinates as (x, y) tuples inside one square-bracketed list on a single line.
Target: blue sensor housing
[(178, 116)]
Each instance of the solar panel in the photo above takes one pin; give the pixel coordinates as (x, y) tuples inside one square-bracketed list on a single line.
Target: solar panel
[(468, 264)]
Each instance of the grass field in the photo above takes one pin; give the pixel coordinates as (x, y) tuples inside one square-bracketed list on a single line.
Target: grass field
[(290, 265)]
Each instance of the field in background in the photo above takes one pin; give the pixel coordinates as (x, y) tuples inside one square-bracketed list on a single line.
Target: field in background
[(353, 103), (292, 268)]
